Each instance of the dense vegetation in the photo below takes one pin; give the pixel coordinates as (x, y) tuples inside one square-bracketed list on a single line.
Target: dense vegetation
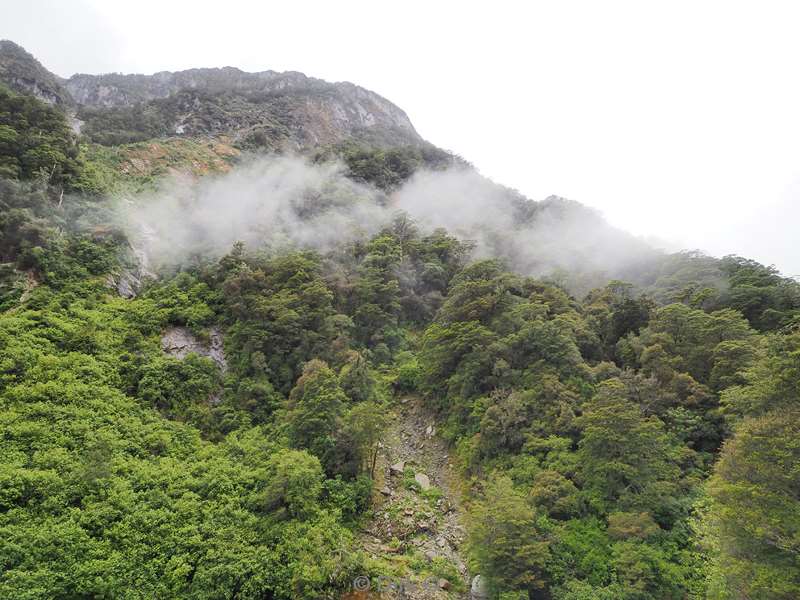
[(386, 169), (640, 442), (35, 141), (26, 75)]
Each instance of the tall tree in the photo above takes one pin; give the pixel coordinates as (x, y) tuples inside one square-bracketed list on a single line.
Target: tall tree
[(316, 405), (755, 510), (509, 539), (626, 458)]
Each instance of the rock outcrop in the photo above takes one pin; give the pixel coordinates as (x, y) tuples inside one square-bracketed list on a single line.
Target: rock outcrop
[(180, 342), (263, 109), (21, 72)]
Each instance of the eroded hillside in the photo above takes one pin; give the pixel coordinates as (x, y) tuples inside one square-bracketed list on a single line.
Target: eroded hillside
[(359, 368)]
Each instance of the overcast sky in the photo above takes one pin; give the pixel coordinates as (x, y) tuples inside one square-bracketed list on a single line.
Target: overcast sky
[(679, 120)]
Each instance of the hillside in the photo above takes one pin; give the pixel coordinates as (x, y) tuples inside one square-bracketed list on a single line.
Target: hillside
[(262, 109), (20, 71), (259, 340), (266, 109)]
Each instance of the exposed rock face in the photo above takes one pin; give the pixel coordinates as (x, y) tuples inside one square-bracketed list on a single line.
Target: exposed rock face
[(283, 107), (265, 109), (180, 342), (20, 71), (129, 280), (126, 283)]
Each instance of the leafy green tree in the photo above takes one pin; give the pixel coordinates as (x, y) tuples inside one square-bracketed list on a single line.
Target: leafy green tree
[(683, 339), (581, 590), (364, 427), (377, 292), (282, 309), (503, 425), (622, 526), (554, 493), (613, 313), (626, 459), (454, 360), (645, 572), (316, 406), (180, 388), (766, 299), (429, 264), (479, 292), (36, 141), (581, 556), (772, 383), (508, 539), (294, 485), (754, 515), (408, 372), (356, 379)]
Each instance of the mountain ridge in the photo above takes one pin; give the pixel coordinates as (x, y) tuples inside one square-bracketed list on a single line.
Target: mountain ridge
[(229, 369), (23, 73), (262, 109)]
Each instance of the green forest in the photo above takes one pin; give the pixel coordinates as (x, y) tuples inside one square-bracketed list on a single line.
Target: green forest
[(637, 442)]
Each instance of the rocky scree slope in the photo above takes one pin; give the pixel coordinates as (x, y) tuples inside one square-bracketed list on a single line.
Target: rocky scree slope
[(417, 527)]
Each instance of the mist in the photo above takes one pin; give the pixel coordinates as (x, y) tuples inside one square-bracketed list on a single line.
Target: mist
[(534, 238), (275, 202), (287, 202)]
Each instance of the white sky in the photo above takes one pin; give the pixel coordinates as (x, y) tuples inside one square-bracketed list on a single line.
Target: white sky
[(679, 120)]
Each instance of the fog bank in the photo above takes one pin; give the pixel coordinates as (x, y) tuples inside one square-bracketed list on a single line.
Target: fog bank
[(287, 202)]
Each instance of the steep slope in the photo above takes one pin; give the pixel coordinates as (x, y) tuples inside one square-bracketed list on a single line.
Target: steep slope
[(417, 528), (262, 109), (20, 71), (265, 109), (259, 420)]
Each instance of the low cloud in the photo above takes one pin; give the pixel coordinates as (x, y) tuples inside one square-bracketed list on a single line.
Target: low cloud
[(288, 202)]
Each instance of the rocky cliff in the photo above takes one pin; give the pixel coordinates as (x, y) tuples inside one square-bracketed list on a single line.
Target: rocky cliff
[(20, 71), (265, 109), (262, 109)]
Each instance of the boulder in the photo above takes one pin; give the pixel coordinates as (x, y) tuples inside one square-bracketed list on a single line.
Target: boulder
[(478, 589), (423, 481)]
